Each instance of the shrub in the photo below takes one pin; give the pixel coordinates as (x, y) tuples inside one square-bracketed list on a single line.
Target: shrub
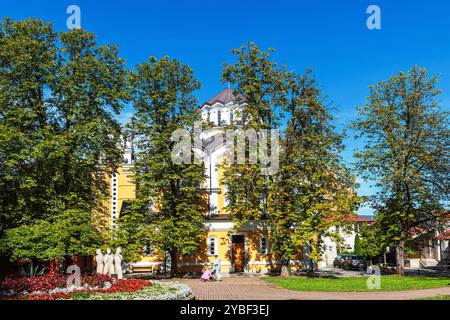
[(95, 279), (15, 284), (131, 285), (39, 288)]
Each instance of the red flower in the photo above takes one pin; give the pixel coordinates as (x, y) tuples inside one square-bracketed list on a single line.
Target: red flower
[(54, 280)]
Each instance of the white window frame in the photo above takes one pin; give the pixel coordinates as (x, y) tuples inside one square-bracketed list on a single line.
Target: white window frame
[(216, 247), (219, 117), (266, 249)]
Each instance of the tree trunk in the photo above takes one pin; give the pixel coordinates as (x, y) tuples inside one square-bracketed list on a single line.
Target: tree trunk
[(173, 263), (285, 267), (400, 258), (54, 266), (312, 265)]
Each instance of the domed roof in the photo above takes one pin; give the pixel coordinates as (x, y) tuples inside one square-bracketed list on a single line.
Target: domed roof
[(225, 96)]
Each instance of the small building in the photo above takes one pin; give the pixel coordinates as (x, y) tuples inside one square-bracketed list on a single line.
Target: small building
[(348, 233), (428, 249)]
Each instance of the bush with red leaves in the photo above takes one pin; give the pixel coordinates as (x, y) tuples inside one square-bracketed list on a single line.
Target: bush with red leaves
[(44, 283), (122, 285), (95, 279), (131, 285), (16, 284)]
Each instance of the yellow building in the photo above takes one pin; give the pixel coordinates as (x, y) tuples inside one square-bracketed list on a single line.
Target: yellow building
[(245, 250)]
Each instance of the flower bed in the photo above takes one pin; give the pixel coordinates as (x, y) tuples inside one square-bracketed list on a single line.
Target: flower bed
[(17, 285), (95, 287), (157, 291), (118, 286)]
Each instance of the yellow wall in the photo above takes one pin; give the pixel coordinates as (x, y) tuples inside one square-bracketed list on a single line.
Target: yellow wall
[(202, 254), (126, 191), (257, 263), (125, 187), (254, 255)]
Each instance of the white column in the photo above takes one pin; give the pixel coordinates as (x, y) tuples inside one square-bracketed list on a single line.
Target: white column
[(245, 252), (438, 250), (114, 198)]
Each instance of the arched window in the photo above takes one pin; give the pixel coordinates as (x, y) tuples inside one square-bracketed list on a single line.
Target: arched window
[(263, 245), (212, 246)]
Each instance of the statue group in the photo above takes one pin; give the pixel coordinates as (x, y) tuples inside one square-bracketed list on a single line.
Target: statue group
[(110, 263)]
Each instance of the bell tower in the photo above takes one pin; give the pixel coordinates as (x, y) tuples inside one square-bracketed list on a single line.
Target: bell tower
[(127, 147)]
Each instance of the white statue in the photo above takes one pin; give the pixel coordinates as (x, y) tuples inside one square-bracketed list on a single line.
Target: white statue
[(99, 259), (118, 263), (108, 262)]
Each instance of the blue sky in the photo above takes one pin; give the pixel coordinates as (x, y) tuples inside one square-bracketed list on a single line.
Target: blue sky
[(331, 37)]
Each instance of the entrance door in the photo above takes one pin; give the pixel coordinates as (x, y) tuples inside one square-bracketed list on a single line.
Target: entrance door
[(238, 253)]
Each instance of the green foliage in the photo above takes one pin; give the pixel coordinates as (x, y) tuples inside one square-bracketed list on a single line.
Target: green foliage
[(258, 82), (69, 234), (58, 136), (312, 190), (168, 201), (373, 242), (132, 233), (357, 249), (406, 148), (352, 284), (33, 271)]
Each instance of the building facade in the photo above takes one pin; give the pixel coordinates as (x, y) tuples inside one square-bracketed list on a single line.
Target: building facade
[(247, 249), (348, 234), (244, 250)]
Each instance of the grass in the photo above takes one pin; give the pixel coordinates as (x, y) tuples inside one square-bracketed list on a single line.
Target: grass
[(436, 298), (388, 283)]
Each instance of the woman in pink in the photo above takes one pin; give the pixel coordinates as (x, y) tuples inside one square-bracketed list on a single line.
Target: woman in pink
[(206, 275)]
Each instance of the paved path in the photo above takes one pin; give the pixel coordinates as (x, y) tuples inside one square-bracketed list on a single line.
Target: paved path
[(253, 288)]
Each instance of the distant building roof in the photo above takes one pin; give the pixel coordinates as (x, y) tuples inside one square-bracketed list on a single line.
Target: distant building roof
[(351, 218), (444, 236), (363, 219)]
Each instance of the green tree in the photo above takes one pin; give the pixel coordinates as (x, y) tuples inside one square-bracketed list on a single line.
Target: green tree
[(406, 151), (72, 234), (373, 241), (168, 196), (27, 66), (357, 249), (134, 231), (259, 82), (58, 136), (313, 189)]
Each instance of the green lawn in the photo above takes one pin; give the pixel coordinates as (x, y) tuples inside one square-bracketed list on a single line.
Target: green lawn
[(436, 298), (388, 283)]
